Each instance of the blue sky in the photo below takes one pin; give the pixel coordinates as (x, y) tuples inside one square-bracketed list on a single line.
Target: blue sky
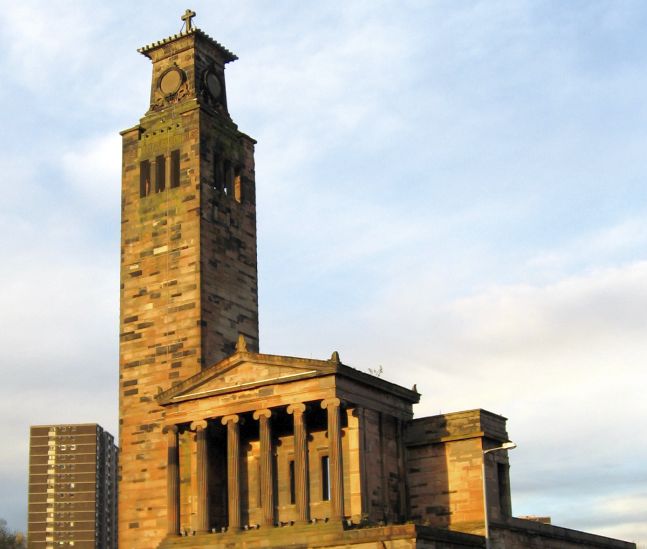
[(453, 190)]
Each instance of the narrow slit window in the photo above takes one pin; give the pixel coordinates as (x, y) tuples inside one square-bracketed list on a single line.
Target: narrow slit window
[(160, 173), (325, 478), (218, 177), (504, 489), (175, 169), (144, 178), (293, 493), (238, 186), (228, 177)]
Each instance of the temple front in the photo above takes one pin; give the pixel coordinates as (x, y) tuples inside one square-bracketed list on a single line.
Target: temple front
[(222, 446)]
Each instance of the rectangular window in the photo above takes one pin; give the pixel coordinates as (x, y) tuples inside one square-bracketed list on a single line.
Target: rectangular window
[(504, 489), (228, 177), (144, 178), (160, 173), (238, 186), (325, 478), (175, 169), (293, 497), (218, 177)]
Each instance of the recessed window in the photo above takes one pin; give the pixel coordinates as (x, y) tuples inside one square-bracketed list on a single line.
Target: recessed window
[(238, 186), (160, 173), (175, 169), (228, 177), (292, 482), (218, 176), (144, 178), (325, 478)]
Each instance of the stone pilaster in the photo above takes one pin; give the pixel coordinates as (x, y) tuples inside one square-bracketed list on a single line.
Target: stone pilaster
[(172, 480), (332, 405), (300, 461), (355, 464), (267, 496), (233, 469), (200, 428)]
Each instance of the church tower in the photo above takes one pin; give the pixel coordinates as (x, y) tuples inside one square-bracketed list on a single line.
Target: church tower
[(188, 257)]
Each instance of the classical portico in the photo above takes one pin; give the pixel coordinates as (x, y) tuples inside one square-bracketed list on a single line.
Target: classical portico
[(263, 441)]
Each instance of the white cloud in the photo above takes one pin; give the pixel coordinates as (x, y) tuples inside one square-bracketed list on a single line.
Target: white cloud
[(564, 362), (43, 41), (92, 168)]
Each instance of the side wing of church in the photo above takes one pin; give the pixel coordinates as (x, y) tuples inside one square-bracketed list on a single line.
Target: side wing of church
[(222, 446)]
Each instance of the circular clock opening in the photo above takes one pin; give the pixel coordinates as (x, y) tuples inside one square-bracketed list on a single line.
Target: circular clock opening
[(171, 81), (213, 85)]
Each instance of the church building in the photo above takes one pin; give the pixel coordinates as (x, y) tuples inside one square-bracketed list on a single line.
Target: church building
[(223, 446)]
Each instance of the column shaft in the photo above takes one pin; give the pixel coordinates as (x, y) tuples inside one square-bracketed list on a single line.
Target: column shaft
[(233, 470), (266, 480), (336, 468), (202, 480), (300, 462), (172, 481)]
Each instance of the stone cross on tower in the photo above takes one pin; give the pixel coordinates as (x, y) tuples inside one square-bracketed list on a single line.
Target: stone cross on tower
[(187, 18)]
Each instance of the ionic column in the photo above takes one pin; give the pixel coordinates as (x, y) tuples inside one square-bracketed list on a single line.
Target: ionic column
[(233, 469), (200, 428), (172, 480), (300, 461), (336, 469), (267, 496)]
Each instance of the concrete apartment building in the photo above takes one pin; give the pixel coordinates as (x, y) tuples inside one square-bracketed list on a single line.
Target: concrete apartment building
[(225, 447), (72, 487)]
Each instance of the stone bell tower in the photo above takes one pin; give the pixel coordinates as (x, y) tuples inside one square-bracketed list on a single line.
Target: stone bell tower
[(188, 257)]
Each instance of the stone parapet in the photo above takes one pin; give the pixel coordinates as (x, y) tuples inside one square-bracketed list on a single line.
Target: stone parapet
[(457, 425), (519, 534)]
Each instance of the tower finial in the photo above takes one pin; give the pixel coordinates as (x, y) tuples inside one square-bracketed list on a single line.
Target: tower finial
[(187, 18)]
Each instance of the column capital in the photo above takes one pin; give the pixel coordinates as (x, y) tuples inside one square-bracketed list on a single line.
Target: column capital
[(233, 418), (330, 402), (357, 411), (266, 412), (170, 429), (298, 408), (199, 425)]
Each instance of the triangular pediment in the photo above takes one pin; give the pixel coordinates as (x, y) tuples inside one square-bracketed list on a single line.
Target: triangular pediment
[(242, 371)]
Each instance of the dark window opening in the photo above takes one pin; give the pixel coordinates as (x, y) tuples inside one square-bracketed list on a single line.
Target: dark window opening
[(504, 489), (144, 178), (175, 169), (218, 178), (293, 493), (228, 177), (160, 173), (325, 478)]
